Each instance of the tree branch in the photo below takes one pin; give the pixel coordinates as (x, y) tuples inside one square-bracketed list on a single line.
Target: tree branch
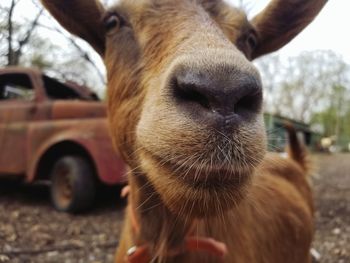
[(26, 37), (10, 33), (82, 52)]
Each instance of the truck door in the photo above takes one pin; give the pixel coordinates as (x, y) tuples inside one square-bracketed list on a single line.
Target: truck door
[(17, 109)]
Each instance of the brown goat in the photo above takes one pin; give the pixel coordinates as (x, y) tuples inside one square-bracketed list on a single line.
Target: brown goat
[(184, 106)]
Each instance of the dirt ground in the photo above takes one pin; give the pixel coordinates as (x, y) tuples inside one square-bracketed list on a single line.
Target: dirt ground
[(31, 231), (332, 197)]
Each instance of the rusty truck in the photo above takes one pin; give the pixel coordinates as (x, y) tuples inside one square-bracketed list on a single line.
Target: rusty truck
[(55, 132)]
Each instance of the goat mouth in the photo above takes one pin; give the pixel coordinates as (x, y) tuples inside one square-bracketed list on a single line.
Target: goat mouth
[(194, 190), (206, 175), (195, 194), (202, 173)]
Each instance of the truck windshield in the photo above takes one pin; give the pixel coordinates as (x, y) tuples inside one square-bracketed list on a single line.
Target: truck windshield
[(16, 87), (57, 90)]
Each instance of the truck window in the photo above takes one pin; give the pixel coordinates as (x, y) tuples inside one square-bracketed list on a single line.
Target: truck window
[(16, 87), (59, 91)]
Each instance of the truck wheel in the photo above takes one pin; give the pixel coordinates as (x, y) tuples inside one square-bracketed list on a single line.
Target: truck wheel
[(73, 186)]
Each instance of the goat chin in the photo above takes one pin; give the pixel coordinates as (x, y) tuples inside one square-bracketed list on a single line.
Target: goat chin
[(193, 197)]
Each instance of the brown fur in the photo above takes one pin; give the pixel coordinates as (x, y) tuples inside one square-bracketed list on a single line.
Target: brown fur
[(181, 169)]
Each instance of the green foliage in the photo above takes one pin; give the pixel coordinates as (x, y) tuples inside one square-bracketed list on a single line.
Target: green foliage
[(335, 119)]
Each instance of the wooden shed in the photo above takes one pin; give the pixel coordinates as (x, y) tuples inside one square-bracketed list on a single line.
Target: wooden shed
[(277, 136)]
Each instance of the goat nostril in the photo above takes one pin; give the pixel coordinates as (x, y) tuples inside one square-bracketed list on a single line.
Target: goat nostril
[(215, 96), (189, 93), (249, 103)]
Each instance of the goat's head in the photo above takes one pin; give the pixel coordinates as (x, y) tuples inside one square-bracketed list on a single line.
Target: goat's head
[(184, 99)]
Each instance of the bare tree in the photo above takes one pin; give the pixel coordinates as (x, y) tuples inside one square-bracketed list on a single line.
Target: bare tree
[(301, 86), (14, 50), (29, 39)]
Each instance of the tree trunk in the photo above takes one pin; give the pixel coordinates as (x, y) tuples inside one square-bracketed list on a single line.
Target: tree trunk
[(10, 34)]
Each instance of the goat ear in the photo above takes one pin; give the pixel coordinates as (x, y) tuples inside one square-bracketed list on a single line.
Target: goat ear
[(281, 21), (81, 18)]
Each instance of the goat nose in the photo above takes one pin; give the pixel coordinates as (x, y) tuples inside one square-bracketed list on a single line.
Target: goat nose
[(235, 96)]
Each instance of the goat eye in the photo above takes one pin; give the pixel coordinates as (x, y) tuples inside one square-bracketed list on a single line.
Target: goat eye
[(252, 41), (111, 21)]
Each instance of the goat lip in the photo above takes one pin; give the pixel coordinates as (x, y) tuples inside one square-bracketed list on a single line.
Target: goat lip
[(205, 174), (210, 175)]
